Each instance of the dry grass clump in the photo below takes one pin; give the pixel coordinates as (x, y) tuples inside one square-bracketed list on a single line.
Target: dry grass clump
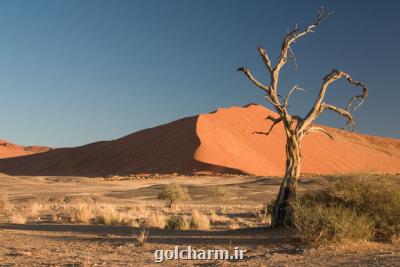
[(141, 238), (196, 221), (22, 212), (263, 218), (218, 219), (4, 204), (178, 222), (157, 220), (174, 193), (80, 213), (199, 221), (233, 225), (33, 210), (351, 207), (18, 218), (108, 215)]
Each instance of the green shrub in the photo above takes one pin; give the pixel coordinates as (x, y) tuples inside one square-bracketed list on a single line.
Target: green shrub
[(174, 193), (372, 200)]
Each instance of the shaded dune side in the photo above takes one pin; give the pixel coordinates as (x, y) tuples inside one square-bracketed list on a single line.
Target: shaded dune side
[(163, 149), (228, 139)]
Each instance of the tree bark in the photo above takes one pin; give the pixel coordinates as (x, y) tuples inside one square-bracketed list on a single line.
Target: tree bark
[(281, 212)]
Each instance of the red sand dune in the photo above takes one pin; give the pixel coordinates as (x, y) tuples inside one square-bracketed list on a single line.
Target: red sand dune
[(8, 150), (217, 142)]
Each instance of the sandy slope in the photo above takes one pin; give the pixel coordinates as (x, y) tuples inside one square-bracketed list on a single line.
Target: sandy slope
[(228, 139), (221, 141), (8, 150)]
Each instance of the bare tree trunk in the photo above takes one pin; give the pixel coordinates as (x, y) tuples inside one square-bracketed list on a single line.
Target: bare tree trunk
[(281, 213)]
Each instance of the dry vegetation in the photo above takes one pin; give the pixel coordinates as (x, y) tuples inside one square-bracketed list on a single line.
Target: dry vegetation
[(358, 208)]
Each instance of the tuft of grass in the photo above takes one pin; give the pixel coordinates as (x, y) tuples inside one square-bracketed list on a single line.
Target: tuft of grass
[(199, 221), (218, 219), (233, 225), (157, 220), (80, 213), (174, 193), (108, 215), (4, 204), (141, 238), (178, 222), (18, 218)]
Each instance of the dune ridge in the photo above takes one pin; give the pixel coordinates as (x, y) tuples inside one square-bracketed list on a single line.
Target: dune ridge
[(8, 149), (222, 141)]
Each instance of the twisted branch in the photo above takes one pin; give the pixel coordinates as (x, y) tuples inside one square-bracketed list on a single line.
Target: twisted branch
[(345, 113), (320, 106), (315, 129)]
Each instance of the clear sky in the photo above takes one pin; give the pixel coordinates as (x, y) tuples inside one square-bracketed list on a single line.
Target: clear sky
[(74, 72)]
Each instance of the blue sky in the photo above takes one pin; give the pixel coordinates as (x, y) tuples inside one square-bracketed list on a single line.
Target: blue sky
[(74, 72)]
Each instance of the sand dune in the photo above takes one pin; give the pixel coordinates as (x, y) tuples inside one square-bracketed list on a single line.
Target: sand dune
[(218, 142), (8, 150)]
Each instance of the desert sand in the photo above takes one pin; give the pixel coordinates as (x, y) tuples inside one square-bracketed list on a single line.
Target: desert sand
[(45, 240), (223, 141)]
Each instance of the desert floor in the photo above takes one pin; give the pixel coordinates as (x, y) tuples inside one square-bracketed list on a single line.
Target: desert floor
[(50, 240)]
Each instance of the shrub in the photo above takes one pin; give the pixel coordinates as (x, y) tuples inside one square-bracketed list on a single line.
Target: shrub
[(174, 193), (220, 193), (316, 223), (373, 195), (369, 200)]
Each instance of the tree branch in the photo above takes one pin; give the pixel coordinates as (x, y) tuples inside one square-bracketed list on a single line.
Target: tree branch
[(315, 129), (265, 58), (294, 88), (247, 72), (293, 35), (345, 113), (360, 97), (319, 106)]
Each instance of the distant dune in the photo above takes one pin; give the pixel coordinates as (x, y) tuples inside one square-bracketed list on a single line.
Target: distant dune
[(218, 142), (8, 150)]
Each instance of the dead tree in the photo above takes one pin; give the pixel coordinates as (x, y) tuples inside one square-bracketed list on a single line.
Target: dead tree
[(296, 127)]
